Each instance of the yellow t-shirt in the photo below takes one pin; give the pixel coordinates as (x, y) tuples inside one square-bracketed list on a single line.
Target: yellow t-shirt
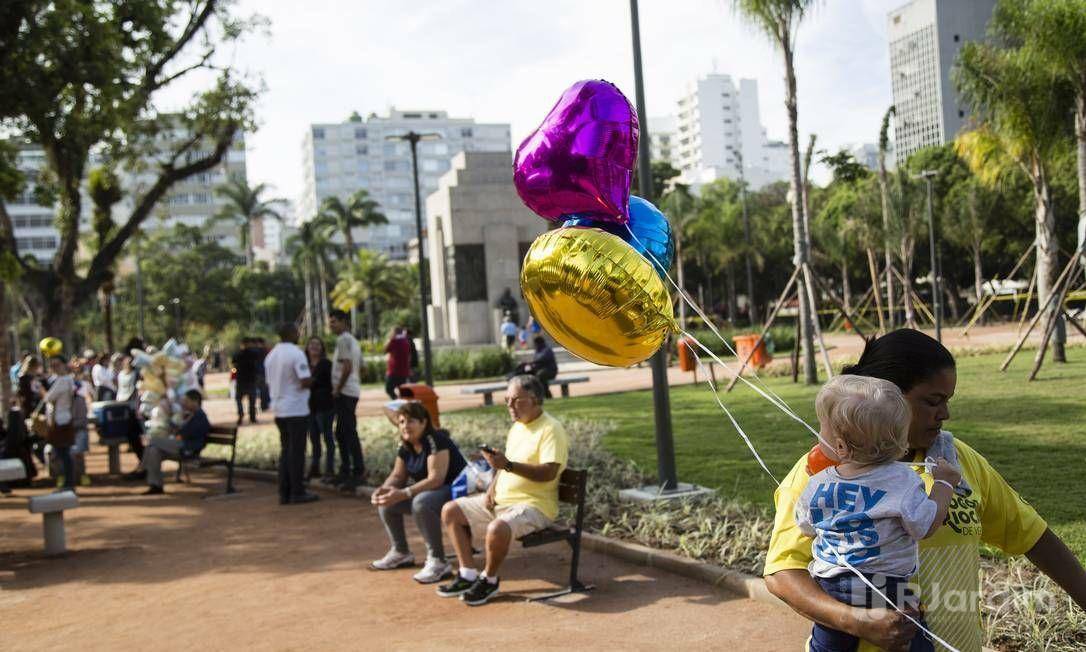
[(949, 574), (542, 441)]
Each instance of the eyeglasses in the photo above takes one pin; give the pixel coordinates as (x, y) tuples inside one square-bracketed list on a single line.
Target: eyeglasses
[(509, 400)]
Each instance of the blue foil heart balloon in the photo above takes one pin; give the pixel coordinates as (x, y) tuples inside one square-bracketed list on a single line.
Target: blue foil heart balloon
[(581, 158), (651, 232)]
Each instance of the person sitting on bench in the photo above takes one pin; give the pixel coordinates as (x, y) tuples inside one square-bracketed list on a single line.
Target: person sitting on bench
[(543, 365), (522, 498), (188, 442)]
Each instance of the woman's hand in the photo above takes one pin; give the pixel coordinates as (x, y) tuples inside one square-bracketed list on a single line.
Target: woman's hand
[(392, 496), (886, 628)]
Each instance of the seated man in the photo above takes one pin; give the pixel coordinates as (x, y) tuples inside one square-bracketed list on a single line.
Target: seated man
[(543, 365), (522, 498), (187, 443)]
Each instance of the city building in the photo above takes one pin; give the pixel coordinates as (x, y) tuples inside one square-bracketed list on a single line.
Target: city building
[(925, 37), (867, 155), (341, 158), (478, 233), (191, 202), (662, 141), (719, 129)]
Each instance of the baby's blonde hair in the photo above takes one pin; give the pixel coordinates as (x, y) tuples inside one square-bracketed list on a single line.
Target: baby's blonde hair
[(869, 415)]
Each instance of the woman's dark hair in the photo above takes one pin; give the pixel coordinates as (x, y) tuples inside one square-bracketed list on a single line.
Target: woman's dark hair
[(416, 410), (905, 357), (324, 349)]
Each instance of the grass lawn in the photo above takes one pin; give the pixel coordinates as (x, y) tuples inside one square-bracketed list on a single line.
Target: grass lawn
[(1034, 434)]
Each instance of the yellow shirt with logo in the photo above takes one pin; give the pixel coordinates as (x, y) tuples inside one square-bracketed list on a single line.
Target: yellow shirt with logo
[(949, 573), (542, 441)]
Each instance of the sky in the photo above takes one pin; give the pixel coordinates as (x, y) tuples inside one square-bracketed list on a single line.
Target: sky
[(508, 61)]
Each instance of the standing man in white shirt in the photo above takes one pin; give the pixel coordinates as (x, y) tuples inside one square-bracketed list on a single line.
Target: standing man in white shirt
[(346, 365), (287, 372), (105, 384)]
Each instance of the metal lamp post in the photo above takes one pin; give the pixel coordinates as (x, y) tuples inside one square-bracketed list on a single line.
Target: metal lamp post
[(424, 283), (936, 286)]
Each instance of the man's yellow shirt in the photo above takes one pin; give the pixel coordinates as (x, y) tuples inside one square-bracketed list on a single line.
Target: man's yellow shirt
[(542, 441), (949, 573)]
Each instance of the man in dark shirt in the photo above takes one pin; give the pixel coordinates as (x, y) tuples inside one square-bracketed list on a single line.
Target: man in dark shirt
[(543, 365), (245, 366), (187, 443)]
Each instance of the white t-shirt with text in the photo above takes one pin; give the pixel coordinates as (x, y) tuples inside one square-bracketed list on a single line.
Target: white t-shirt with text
[(285, 367)]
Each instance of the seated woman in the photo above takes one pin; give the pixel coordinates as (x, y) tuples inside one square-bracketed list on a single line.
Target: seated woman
[(430, 460)]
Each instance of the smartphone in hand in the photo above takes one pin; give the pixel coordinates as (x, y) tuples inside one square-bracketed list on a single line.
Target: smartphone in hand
[(487, 449)]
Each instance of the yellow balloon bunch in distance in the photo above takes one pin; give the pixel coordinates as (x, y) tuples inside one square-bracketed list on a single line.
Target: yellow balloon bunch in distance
[(596, 296)]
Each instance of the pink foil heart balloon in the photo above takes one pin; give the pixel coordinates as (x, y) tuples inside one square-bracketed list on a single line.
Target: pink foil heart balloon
[(581, 159)]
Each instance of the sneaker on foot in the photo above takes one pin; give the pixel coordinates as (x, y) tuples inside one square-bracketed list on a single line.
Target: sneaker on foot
[(458, 586), (480, 592), (154, 490), (435, 570), (393, 560)]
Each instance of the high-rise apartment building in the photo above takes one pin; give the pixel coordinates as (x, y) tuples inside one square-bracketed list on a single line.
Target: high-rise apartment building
[(719, 129), (925, 37), (191, 202), (662, 141), (340, 158)]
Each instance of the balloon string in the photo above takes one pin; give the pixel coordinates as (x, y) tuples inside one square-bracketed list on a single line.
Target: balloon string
[(735, 423), (708, 322), (780, 404)]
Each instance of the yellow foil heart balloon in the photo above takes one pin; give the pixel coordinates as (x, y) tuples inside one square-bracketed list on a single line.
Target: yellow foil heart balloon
[(596, 296)]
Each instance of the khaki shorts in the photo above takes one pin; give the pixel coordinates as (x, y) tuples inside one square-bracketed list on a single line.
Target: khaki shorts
[(522, 519)]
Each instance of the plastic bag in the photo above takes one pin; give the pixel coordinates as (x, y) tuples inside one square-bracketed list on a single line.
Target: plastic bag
[(475, 477)]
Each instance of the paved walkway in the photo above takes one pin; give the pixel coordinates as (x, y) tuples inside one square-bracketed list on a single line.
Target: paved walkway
[(607, 380), (188, 570)]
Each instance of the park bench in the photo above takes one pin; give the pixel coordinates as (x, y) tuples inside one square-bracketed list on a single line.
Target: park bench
[(488, 390), (112, 420), (572, 487), (224, 436), (51, 507)]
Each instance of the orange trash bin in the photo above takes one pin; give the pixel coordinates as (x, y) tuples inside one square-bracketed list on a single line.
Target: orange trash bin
[(424, 394), (686, 354), (744, 344)]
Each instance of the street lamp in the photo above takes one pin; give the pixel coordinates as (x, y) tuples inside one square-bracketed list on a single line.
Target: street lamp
[(413, 138), (936, 293)]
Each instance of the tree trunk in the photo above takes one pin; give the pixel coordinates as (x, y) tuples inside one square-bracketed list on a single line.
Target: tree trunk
[(799, 231), (951, 290), (978, 273), (876, 292), (58, 307), (1080, 138), (1047, 254), (307, 276), (733, 304), (107, 314), (7, 356), (846, 286), (681, 277), (884, 195), (907, 279), (752, 306)]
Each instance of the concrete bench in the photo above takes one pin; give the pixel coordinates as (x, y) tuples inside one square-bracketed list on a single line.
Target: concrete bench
[(51, 507), (488, 390), (11, 470)]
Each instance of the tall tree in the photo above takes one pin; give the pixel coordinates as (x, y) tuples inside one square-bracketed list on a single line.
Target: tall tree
[(884, 195), (309, 250), (246, 207), (83, 76), (1055, 31), (371, 281), (680, 206), (779, 20), (1021, 108), (105, 191), (967, 223), (359, 210)]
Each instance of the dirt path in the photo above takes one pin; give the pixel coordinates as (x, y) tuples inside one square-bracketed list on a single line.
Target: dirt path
[(183, 572)]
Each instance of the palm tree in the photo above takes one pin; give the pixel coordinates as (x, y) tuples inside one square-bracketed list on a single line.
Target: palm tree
[(779, 20), (369, 280), (309, 249), (359, 210), (1022, 112), (681, 207), (884, 195), (245, 206)]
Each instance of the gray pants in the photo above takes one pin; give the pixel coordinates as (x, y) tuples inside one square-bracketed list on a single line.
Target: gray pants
[(426, 508), (161, 448)]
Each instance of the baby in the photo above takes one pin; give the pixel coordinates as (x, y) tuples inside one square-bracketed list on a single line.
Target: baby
[(869, 510)]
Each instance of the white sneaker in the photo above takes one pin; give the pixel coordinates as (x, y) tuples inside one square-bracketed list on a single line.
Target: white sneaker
[(393, 560), (435, 570)]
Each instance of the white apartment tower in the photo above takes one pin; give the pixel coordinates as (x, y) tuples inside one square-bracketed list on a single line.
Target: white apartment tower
[(340, 158), (925, 36), (719, 128), (662, 139)]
